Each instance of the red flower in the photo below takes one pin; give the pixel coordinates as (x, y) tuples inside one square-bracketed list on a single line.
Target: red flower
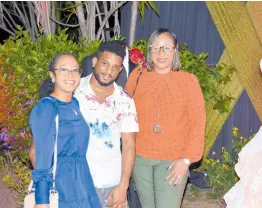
[(118, 116), (137, 57)]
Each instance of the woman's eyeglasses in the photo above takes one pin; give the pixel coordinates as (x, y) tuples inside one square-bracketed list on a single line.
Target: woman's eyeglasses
[(165, 48), (66, 72)]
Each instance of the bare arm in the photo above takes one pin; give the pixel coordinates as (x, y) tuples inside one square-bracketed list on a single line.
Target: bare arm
[(32, 153), (128, 157), (129, 127), (117, 197)]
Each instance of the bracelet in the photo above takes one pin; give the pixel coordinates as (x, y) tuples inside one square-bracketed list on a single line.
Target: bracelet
[(186, 161)]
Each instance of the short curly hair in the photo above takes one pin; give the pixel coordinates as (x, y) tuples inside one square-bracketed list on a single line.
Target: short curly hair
[(117, 47)]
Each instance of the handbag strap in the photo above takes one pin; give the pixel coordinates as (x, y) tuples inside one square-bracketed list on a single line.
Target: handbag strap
[(137, 81), (55, 153)]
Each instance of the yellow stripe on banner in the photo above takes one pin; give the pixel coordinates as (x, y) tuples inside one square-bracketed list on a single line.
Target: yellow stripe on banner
[(243, 45), (231, 22), (255, 12), (216, 120)]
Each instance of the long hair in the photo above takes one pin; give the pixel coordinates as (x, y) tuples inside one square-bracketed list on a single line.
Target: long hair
[(153, 36)]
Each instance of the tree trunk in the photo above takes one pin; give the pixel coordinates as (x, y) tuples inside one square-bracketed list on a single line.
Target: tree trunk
[(53, 14), (112, 10), (58, 15), (42, 11), (117, 25), (81, 19), (23, 11), (32, 19), (134, 11), (90, 20), (107, 35)]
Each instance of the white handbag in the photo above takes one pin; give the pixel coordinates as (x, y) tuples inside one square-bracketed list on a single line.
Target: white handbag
[(29, 201)]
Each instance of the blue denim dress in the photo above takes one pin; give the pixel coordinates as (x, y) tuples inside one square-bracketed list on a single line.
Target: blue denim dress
[(73, 179)]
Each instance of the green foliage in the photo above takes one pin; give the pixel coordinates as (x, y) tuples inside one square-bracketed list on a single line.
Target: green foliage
[(118, 37), (195, 190), (145, 4), (221, 173), (24, 65), (27, 62), (210, 79), (141, 45)]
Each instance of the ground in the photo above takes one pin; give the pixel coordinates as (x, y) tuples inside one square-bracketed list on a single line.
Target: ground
[(202, 201), (6, 199), (189, 201)]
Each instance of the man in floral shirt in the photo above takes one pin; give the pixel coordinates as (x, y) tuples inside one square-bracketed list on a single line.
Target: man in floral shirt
[(111, 115)]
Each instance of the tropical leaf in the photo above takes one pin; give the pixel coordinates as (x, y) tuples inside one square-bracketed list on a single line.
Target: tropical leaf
[(141, 8), (153, 6)]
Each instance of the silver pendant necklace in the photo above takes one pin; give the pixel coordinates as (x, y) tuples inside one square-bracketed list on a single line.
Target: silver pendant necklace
[(157, 128)]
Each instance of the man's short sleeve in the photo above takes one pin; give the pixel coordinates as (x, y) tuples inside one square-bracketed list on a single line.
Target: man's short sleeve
[(129, 121)]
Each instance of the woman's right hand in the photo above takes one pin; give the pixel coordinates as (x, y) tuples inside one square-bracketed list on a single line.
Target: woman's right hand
[(42, 206)]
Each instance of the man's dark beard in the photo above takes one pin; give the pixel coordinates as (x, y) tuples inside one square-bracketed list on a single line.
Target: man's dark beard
[(104, 84)]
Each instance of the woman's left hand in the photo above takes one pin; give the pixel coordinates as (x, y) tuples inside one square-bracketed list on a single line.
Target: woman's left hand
[(178, 172)]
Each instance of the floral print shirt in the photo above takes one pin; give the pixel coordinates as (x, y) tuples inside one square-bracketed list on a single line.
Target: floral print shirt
[(107, 120)]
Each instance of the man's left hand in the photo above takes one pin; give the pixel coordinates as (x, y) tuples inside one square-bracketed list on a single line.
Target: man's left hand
[(178, 172), (117, 197)]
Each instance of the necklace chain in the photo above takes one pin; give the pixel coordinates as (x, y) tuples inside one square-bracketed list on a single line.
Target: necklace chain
[(157, 128)]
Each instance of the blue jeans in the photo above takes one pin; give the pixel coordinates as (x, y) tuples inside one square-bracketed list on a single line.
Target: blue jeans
[(103, 194)]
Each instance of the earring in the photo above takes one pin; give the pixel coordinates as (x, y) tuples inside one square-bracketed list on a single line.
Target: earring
[(176, 60), (53, 81)]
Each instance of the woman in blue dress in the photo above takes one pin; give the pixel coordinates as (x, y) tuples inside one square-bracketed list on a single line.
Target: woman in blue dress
[(73, 180)]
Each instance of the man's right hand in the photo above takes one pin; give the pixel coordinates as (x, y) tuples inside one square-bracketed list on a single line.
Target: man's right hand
[(117, 197)]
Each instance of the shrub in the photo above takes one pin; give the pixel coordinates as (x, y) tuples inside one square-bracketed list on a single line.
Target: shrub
[(24, 65), (221, 172)]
